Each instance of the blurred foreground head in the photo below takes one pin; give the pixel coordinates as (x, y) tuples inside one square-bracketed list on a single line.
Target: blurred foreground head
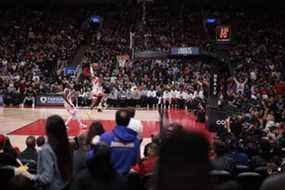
[(58, 140), (183, 162), (99, 162), (123, 117)]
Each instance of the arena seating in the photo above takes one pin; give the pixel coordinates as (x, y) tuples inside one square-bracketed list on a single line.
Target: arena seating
[(36, 45)]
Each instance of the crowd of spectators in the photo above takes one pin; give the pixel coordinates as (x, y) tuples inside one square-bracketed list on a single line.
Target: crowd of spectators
[(35, 46), (93, 160), (112, 160), (34, 54)]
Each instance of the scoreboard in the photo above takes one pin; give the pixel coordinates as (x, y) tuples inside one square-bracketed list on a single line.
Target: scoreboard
[(223, 33)]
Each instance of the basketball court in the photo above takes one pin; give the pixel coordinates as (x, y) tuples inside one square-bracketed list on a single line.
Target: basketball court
[(18, 123)]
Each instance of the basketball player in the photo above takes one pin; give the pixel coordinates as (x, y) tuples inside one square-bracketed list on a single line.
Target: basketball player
[(68, 96), (97, 94)]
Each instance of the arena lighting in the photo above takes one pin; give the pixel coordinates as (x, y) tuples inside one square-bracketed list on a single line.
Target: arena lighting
[(211, 21), (95, 21)]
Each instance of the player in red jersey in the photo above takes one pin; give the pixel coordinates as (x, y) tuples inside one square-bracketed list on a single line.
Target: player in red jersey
[(97, 94)]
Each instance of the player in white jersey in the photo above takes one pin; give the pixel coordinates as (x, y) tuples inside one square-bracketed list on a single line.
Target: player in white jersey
[(97, 94), (68, 96)]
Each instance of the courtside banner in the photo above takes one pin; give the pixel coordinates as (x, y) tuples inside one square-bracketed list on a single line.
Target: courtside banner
[(50, 100), (216, 119), (1, 99), (150, 54), (185, 51)]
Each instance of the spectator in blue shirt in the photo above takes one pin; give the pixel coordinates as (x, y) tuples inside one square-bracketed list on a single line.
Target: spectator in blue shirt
[(123, 142)]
